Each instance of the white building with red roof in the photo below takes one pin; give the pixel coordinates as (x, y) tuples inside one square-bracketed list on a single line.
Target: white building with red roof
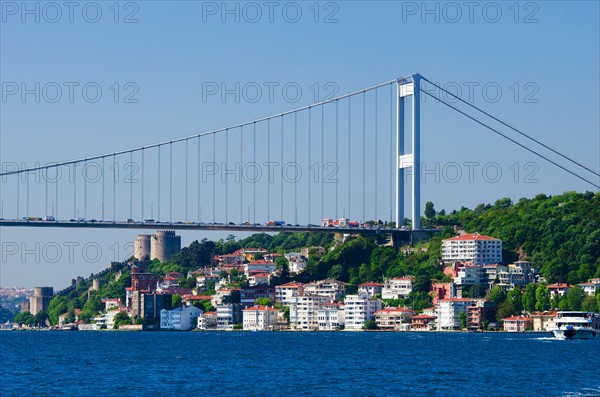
[(370, 289), (358, 310), (394, 318), (286, 293), (260, 318), (559, 289), (517, 323), (475, 248)]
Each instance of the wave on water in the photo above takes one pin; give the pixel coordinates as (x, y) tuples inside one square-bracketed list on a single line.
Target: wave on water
[(584, 392)]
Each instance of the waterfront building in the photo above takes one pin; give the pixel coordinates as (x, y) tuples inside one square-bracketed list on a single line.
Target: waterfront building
[(479, 312), (517, 323), (358, 310), (330, 316), (543, 321), (149, 304), (394, 318), (304, 312), (228, 315), (207, 321), (179, 319), (448, 312), (260, 318), (421, 322), (475, 248)]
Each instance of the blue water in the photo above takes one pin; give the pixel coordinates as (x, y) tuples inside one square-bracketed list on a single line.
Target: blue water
[(296, 364)]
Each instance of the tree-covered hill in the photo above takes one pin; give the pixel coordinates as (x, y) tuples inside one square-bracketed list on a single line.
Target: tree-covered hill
[(560, 233)]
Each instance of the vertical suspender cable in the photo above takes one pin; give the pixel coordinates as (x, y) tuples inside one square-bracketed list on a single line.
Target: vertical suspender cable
[(56, 194), (375, 158), (186, 181), (227, 176), (170, 182), (199, 182), (281, 165), (322, 165), (131, 185), (114, 190), (75, 191), (242, 176), (269, 176), (158, 190), (214, 178), (142, 192), (46, 185), (27, 194), (364, 158), (309, 160), (391, 150), (337, 150), (84, 174), (254, 182)]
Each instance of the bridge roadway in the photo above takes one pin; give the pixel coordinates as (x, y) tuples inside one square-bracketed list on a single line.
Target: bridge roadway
[(397, 234)]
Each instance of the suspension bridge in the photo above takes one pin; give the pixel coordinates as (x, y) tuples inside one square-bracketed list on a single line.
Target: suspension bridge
[(344, 164)]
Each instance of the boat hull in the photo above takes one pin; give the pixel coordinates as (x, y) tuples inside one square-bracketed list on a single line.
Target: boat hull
[(574, 333)]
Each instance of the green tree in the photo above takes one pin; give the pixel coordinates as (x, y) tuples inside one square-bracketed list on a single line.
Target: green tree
[(516, 298), (176, 300), (23, 318), (429, 210), (40, 319), (506, 309), (122, 318), (93, 305), (370, 324), (57, 306), (573, 299), (590, 304), (528, 300), (462, 316), (264, 302), (542, 298), (497, 295)]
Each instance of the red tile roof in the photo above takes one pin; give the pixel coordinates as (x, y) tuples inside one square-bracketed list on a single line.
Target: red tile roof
[(289, 285), (260, 308), (559, 285), (516, 318), (370, 284), (472, 236)]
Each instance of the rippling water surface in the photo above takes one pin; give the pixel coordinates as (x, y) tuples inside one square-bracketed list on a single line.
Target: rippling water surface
[(296, 364)]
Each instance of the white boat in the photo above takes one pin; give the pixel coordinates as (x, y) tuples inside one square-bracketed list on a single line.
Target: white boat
[(576, 325)]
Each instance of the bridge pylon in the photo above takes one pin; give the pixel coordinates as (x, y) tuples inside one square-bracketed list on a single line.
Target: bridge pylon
[(407, 87)]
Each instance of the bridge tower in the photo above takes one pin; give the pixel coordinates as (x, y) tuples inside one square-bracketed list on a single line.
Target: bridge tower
[(406, 87)]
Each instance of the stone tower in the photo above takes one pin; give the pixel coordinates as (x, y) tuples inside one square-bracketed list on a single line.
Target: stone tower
[(40, 300), (141, 247), (164, 244)]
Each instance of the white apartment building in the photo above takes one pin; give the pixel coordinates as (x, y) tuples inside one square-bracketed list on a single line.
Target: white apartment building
[(304, 312), (108, 319), (333, 289), (286, 293), (358, 310), (475, 248), (590, 288), (370, 289), (207, 321), (228, 315), (331, 316), (398, 287), (260, 318), (448, 312), (179, 319)]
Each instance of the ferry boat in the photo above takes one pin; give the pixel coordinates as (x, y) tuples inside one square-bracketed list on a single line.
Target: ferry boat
[(576, 325)]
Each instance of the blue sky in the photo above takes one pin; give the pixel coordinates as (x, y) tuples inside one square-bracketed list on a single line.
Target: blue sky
[(542, 56)]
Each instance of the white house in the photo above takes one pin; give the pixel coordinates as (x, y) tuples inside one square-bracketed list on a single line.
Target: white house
[(370, 289), (260, 318), (590, 288), (333, 289), (398, 287), (207, 321), (286, 293), (331, 316), (108, 318), (448, 312), (475, 248), (297, 262), (228, 315), (394, 318), (304, 312), (358, 310), (258, 278), (179, 319)]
